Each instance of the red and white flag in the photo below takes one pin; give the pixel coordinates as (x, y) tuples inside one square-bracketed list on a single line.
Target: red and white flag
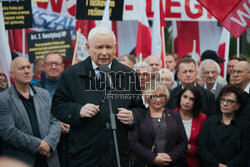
[(206, 34), (144, 38), (223, 51), (157, 28), (234, 15), (5, 56)]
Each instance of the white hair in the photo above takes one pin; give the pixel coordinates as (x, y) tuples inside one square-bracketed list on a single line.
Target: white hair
[(142, 64), (207, 62), (146, 59), (163, 71), (100, 30)]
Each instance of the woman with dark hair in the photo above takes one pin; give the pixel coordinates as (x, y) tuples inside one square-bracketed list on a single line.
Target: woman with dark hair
[(189, 106), (223, 140), (160, 140)]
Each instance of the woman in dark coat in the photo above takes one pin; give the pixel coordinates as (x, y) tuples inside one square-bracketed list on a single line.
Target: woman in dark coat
[(160, 139), (189, 106), (223, 141)]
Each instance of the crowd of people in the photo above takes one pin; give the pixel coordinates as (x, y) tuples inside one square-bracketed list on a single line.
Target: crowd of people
[(182, 115)]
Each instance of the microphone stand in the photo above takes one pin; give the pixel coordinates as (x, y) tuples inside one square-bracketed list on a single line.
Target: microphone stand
[(112, 124)]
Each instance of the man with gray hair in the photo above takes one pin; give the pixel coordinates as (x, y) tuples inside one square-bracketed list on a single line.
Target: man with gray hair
[(209, 71), (82, 101), (143, 71), (166, 77)]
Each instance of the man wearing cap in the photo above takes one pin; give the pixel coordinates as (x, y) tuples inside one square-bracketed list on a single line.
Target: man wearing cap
[(211, 54)]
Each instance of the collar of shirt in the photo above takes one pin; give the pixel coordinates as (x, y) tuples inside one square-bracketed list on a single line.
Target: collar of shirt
[(247, 88), (95, 66), (214, 87), (31, 91), (182, 87)]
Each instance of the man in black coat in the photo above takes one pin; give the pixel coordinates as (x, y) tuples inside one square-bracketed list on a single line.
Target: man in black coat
[(81, 101), (187, 74)]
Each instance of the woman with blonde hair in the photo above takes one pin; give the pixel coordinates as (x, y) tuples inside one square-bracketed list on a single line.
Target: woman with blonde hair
[(160, 140)]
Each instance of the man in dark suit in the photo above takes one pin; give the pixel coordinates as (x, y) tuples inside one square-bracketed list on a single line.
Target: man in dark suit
[(187, 74), (81, 101), (27, 128)]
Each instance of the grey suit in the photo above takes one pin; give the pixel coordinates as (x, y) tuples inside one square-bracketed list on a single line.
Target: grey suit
[(16, 130), (219, 86)]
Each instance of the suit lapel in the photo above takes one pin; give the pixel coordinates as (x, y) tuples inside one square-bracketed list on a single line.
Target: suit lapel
[(20, 108)]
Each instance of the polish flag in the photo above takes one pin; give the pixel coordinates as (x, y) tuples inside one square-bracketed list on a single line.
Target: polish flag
[(144, 38), (158, 48), (205, 34), (223, 51), (5, 56)]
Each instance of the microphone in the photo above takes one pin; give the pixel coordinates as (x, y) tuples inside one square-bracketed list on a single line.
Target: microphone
[(104, 68)]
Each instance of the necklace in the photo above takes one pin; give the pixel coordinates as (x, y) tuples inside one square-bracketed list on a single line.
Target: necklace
[(159, 119)]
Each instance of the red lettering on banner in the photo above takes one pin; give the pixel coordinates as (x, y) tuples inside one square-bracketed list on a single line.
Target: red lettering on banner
[(190, 13), (168, 13), (149, 10), (56, 5)]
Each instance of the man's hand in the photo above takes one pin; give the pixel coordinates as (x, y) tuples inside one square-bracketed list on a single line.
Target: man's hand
[(44, 148), (125, 116), (221, 165), (89, 110), (162, 159), (65, 128)]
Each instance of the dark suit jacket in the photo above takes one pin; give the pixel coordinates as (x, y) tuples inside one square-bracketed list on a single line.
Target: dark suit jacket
[(208, 100), (143, 138), (91, 142)]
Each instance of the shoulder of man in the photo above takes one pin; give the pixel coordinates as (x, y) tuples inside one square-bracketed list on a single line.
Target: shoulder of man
[(121, 67), (205, 92)]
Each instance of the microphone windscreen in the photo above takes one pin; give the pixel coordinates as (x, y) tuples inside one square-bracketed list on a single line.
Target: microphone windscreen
[(104, 68)]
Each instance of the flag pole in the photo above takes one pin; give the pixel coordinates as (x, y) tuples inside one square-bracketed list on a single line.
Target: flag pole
[(76, 46), (238, 47), (23, 34), (163, 45)]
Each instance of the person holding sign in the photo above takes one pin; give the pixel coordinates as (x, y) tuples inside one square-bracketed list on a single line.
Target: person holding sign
[(80, 100)]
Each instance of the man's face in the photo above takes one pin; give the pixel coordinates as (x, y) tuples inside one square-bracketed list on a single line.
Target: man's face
[(209, 73), (124, 60), (230, 66), (155, 63), (102, 48), (21, 71), (187, 73), (166, 79), (170, 63), (143, 75), (53, 66), (240, 75)]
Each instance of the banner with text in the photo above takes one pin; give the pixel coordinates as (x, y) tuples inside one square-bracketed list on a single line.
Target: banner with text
[(94, 9), (17, 14), (40, 43)]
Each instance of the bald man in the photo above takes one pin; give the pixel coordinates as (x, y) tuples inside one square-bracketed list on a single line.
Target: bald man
[(155, 64), (28, 130)]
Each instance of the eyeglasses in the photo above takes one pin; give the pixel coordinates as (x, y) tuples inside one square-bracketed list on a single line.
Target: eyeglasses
[(52, 63), (154, 97), (228, 101)]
